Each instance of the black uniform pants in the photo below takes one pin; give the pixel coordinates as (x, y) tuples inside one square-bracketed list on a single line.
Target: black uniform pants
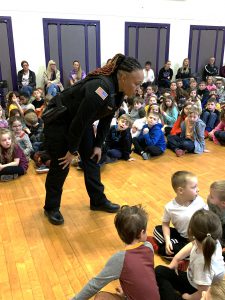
[(57, 144)]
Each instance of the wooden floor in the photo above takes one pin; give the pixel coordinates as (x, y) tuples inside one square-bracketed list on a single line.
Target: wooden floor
[(42, 261)]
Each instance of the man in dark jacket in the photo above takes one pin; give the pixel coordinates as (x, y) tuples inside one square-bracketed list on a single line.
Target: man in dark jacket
[(210, 69)]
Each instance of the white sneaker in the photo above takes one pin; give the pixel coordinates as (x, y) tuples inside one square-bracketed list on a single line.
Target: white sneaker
[(145, 155), (42, 170)]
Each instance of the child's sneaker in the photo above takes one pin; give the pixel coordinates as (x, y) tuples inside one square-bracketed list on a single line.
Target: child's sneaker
[(8, 177), (183, 265), (42, 169), (145, 155), (152, 240), (179, 152)]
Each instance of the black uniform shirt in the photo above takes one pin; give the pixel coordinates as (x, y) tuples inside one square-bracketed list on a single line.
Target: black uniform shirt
[(88, 101)]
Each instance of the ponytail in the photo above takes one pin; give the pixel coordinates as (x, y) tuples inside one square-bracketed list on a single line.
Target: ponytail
[(118, 62), (205, 226), (208, 248)]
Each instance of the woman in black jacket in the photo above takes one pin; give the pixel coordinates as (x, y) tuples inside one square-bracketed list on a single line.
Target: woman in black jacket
[(184, 73), (26, 79), (96, 97)]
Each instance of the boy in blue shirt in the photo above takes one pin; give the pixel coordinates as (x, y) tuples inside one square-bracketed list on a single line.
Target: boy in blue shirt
[(151, 141)]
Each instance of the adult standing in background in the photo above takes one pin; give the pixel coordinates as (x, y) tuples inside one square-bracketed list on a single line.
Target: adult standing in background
[(77, 73), (210, 69), (96, 97), (165, 75), (26, 79), (51, 78), (149, 75)]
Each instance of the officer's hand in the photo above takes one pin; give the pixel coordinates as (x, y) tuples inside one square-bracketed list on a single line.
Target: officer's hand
[(66, 160), (97, 153)]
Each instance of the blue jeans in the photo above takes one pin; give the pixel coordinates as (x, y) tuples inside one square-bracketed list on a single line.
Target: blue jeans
[(53, 89), (27, 89), (114, 153), (176, 142), (210, 119)]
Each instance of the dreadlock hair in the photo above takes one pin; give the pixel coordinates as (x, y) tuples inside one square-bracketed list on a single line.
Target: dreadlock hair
[(117, 63), (8, 154), (205, 226)]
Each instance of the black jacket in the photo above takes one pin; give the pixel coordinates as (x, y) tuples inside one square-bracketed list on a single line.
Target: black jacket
[(164, 74), (182, 75), (210, 71), (120, 140), (87, 101), (32, 79)]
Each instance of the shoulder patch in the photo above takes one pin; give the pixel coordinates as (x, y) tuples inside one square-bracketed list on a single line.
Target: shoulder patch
[(102, 93)]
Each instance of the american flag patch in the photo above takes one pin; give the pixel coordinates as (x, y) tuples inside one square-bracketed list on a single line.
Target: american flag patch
[(102, 94)]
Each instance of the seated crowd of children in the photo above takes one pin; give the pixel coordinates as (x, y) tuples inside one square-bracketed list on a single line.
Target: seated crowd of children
[(193, 246), (178, 119), (21, 135)]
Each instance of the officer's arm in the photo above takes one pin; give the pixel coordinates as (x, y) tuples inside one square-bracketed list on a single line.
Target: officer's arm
[(88, 109)]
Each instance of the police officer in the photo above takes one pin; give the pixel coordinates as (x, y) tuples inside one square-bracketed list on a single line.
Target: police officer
[(97, 97)]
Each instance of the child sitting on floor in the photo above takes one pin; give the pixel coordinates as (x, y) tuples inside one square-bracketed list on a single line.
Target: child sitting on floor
[(171, 240), (218, 133), (3, 121), (21, 137), (176, 130), (35, 125), (210, 116), (192, 138), (169, 112), (38, 102), (216, 202), (118, 142), (13, 162), (206, 261), (133, 266), (151, 141), (137, 110)]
